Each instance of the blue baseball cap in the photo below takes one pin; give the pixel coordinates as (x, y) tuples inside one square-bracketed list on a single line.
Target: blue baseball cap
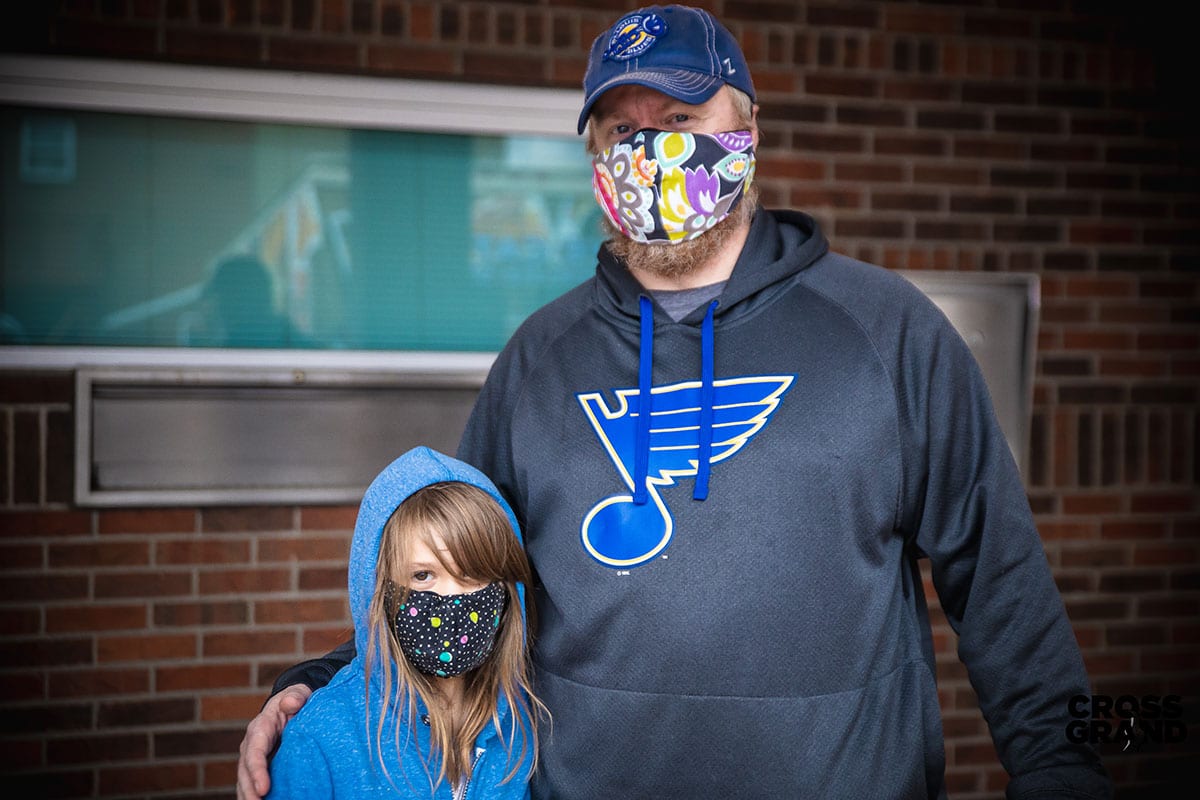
[(680, 51)]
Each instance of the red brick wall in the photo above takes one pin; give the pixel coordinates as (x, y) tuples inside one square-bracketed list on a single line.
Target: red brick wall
[(1046, 136)]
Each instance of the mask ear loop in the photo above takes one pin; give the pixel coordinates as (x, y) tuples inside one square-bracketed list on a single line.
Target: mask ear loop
[(394, 596)]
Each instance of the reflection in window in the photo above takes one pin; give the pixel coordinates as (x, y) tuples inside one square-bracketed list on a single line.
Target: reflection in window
[(146, 230)]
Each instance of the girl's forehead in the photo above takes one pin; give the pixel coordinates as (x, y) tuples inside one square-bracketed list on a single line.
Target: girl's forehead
[(426, 543), (428, 548)]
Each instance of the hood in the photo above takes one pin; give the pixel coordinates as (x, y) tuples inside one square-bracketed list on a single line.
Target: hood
[(414, 470), (780, 245)]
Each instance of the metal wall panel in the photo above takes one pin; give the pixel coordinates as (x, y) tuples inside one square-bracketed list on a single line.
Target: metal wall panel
[(210, 437), (204, 434), (997, 316)]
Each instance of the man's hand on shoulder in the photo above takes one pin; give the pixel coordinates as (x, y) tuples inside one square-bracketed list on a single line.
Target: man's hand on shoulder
[(262, 737)]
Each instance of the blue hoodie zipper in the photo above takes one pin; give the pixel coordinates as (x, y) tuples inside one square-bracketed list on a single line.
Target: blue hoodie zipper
[(460, 792)]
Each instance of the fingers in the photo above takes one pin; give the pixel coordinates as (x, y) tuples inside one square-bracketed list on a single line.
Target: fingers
[(292, 699), (253, 780), (246, 788)]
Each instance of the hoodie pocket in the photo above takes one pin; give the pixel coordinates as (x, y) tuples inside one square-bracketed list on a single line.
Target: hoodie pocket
[(881, 740)]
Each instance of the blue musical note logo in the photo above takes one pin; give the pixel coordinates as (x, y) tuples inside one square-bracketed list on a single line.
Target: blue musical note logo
[(620, 534)]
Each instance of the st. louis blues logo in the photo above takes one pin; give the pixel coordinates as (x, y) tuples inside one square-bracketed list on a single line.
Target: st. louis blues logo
[(620, 534), (634, 35)]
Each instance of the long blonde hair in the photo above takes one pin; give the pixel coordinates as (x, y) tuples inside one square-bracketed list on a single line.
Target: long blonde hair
[(480, 541)]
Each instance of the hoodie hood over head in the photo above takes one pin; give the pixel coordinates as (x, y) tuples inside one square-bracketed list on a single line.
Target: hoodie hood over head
[(326, 750), (416, 469), (779, 245)]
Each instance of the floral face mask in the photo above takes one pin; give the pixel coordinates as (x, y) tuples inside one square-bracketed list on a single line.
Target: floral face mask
[(666, 187)]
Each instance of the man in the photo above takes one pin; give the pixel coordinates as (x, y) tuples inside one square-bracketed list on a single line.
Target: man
[(765, 634)]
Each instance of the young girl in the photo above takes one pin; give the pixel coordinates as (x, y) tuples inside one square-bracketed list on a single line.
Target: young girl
[(437, 702)]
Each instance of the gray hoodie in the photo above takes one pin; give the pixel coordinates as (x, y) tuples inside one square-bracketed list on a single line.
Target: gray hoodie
[(728, 585)]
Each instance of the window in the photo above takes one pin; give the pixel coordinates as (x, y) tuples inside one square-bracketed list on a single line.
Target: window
[(269, 284), (196, 224)]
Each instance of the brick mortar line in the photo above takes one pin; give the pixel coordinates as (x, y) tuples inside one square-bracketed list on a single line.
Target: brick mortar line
[(51, 405)]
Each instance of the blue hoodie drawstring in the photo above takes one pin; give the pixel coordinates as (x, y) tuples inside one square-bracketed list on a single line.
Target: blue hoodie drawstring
[(641, 452), (704, 457)]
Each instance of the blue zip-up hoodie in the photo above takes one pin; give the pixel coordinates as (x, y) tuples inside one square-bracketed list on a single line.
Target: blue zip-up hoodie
[(326, 751)]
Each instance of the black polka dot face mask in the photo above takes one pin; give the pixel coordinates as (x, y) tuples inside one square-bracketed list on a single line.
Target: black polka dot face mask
[(449, 634)]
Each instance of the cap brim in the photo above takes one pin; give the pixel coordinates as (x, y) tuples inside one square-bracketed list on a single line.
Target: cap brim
[(684, 85)]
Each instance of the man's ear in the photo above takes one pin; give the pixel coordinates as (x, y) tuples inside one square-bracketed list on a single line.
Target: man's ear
[(590, 141), (754, 123)]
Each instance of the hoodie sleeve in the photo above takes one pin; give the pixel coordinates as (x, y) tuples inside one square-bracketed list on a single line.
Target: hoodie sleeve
[(485, 442), (299, 769), (965, 507), (316, 672)]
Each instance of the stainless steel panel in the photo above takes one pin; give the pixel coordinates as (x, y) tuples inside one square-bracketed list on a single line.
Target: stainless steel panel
[(206, 439), (997, 316), (265, 439)]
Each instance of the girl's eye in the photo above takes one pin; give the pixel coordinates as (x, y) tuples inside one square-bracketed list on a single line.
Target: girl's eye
[(421, 576)]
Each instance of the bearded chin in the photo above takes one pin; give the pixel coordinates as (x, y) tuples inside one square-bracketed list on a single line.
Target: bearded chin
[(677, 260)]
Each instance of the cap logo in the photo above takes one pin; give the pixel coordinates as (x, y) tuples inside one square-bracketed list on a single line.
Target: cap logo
[(634, 35)]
